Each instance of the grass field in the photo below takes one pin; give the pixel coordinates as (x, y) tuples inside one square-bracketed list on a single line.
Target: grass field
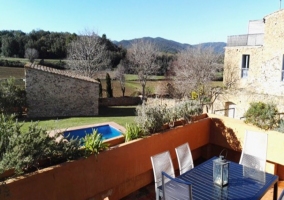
[(131, 84), (118, 114)]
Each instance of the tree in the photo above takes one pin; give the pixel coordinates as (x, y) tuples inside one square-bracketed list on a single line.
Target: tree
[(142, 57), (121, 78), (108, 86), (193, 72), (31, 54), (100, 88), (87, 54), (12, 97)]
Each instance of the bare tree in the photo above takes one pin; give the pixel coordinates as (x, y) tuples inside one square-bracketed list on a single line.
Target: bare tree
[(31, 54), (87, 54), (120, 76), (231, 76), (142, 57), (194, 70)]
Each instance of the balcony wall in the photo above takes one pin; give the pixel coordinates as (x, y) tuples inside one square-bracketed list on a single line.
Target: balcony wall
[(245, 40), (229, 133), (126, 168), (114, 173)]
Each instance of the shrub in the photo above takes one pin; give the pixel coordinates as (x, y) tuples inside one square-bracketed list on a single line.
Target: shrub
[(151, 117), (12, 97), (94, 144), (262, 115), (132, 132), (23, 151), (280, 127)]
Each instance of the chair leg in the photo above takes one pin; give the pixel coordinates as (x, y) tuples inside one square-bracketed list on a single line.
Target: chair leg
[(158, 195)]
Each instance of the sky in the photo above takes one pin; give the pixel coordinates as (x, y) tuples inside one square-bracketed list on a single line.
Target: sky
[(184, 21)]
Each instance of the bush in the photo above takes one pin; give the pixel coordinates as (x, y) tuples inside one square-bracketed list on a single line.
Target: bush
[(132, 132), (23, 151), (94, 143), (262, 115), (151, 117), (12, 97), (280, 127), (10, 63)]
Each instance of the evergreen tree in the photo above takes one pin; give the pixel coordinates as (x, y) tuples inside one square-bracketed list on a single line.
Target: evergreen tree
[(108, 86), (100, 88)]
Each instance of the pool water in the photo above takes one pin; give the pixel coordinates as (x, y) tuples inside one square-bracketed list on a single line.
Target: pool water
[(107, 132)]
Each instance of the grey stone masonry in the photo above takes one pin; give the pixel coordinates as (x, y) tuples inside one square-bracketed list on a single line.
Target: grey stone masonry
[(257, 70), (59, 93)]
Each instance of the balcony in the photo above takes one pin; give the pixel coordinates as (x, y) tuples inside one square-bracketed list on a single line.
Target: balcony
[(126, 167), (245, 40)]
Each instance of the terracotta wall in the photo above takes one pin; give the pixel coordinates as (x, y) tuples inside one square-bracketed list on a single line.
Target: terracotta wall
[(114, 173), (229, 133)]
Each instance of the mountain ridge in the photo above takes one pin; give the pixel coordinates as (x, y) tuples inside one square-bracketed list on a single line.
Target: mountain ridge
[(171, 46)]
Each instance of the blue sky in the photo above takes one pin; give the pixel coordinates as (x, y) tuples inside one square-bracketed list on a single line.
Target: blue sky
[(185, 21)]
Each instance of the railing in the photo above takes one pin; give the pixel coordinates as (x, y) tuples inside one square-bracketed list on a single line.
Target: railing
[(245, 40), (225, 110)]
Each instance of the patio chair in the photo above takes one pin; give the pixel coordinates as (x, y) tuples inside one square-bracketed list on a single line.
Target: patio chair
[(161, 162), (184, 157), (281, 197), (254, 150), (175, 188)]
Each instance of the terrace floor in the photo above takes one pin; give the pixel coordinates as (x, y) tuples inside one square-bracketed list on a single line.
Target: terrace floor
[(148, 193)]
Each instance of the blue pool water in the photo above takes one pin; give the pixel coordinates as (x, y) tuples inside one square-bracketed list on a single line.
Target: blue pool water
[(107, 132)]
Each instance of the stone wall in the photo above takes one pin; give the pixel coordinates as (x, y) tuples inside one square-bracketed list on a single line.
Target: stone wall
[(56, 93), (120, 101), (265, 69)]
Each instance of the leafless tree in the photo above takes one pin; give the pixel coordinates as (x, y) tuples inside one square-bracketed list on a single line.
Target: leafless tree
[(194, 70), (142, 57), (231, 76), (88, 54), (31, 54), (120, 76)]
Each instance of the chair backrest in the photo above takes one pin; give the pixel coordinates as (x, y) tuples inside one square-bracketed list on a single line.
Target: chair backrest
[(281, 197), (175, 188), (254, 150), (162, 162), (184, 156)]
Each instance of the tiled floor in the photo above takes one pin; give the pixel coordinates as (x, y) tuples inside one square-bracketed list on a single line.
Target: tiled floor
[(148, 193)]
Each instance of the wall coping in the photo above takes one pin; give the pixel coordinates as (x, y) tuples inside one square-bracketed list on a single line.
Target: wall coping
[(66, 73)]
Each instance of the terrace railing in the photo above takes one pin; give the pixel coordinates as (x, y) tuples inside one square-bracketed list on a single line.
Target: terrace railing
[(245, 40)]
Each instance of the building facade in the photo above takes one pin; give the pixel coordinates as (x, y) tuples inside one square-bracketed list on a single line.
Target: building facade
[(254, 67), (57, 93)]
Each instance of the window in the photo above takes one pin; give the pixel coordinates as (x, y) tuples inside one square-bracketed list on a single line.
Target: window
[(245, 66), (282, 77)]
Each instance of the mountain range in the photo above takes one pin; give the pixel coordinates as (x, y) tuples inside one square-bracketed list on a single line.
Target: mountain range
[(170, 46)]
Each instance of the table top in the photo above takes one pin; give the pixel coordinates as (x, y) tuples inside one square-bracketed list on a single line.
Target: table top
[(244, 183)]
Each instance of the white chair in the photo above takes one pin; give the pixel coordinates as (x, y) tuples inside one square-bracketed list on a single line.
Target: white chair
[(175, 188), (281, 197), (184, 157), (254, 150), (161, 162)]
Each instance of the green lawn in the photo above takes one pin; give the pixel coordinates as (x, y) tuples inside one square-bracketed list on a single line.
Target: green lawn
[(118, 114)]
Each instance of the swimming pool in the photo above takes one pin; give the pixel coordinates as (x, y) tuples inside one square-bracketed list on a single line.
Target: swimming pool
[(107, 132)]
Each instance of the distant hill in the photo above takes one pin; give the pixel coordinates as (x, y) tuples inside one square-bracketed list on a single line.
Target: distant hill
[(170, 46)]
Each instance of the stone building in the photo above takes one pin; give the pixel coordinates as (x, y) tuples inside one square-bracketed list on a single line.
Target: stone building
[(58, 93), (254, 67)]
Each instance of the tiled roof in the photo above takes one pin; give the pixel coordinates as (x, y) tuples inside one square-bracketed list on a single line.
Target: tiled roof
[(67, 73)]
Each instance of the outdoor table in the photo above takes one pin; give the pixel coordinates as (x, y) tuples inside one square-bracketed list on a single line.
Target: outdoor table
[(244, 183)]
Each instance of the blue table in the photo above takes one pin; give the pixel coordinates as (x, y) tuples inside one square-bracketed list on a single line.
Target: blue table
[(243, 182)]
